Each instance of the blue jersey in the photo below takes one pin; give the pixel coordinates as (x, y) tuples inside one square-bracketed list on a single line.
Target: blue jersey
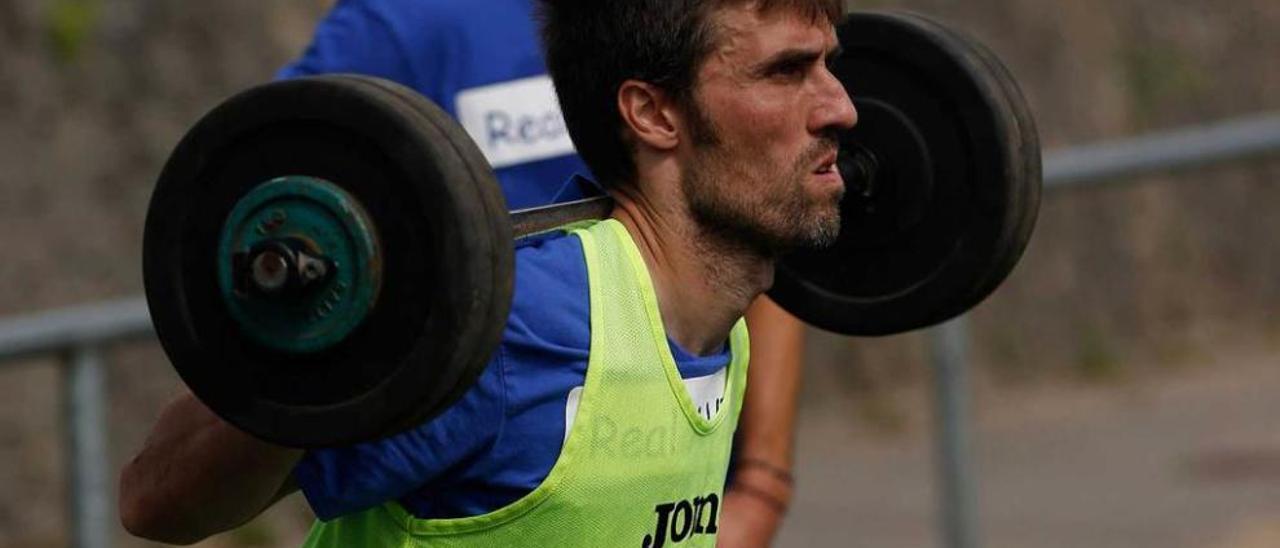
[(480, 61), (501, 439)]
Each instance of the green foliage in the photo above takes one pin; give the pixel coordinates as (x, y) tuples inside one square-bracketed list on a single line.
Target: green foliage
[(1096, 357), (1159, 74), (70, 25)]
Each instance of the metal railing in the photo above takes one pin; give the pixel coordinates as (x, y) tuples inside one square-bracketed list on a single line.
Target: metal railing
[(80, 335), (1094, 163)]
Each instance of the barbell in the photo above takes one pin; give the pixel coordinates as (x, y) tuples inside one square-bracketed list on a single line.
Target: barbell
[(329, 259)]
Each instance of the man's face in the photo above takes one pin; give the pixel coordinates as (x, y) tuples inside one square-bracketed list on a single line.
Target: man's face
[(761, 164)]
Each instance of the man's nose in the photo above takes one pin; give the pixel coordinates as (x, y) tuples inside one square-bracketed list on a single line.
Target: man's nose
[(836, 109)]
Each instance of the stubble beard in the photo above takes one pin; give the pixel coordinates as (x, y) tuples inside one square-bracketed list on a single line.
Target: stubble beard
[(787, 218)]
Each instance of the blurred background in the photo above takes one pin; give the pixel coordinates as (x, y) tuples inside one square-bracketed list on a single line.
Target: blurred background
[(1122, 380)]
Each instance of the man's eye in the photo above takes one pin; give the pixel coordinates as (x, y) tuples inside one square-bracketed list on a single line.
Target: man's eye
[(789, 70)]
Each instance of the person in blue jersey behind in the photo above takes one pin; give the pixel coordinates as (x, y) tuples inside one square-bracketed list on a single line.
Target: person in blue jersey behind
[(499, 443), (479, 61)]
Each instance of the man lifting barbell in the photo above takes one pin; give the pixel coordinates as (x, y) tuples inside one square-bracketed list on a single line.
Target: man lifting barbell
[(500, 93), (715, 135)]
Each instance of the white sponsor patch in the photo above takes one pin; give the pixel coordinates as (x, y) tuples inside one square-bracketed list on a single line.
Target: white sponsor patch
[(515, 122), (706, 392)]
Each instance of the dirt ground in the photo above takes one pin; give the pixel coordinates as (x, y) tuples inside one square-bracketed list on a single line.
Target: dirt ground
[(1191, 460)]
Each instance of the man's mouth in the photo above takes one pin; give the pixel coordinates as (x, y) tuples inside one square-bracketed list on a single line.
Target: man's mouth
[(827, 164)]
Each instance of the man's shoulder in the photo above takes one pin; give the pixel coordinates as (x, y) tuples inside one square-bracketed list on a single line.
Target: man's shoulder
[(550, 303), (550, 252)]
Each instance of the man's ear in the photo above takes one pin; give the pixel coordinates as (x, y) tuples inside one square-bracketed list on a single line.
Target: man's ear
[(650, 114)]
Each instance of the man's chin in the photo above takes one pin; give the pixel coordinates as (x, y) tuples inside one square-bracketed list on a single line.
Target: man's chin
[(824, 229), (818, 233), (825, 235)]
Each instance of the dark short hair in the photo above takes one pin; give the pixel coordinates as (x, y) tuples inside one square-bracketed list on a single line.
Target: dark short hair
[(593, 46)]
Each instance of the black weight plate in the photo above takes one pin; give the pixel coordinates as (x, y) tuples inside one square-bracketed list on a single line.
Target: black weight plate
[(1024, 141), (1031, 170), (949, 197), (438, 241), (490, 323)]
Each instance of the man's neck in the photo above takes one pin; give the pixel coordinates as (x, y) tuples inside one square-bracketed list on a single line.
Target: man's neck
[(704, 282)]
